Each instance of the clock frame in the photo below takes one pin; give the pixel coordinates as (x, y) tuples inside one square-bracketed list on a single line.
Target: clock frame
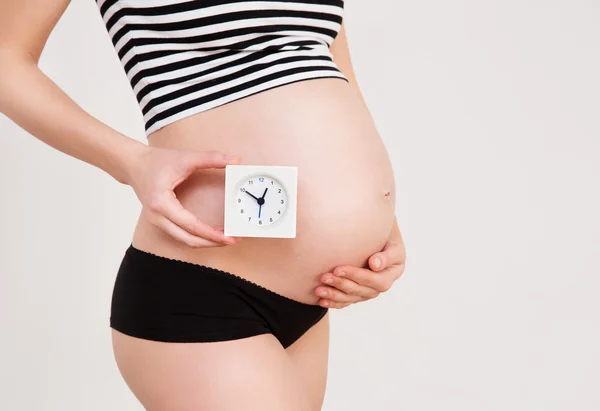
[(237, 178)]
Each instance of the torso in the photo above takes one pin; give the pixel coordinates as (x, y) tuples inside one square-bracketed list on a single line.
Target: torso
[(346, 194), (257, 79)]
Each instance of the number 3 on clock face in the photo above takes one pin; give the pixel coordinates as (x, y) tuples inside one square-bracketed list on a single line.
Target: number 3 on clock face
[(260, 201)]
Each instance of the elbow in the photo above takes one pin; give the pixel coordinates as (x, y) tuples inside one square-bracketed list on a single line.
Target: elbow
[(4, 77), (10, 57), (5, 64), (12, 61)]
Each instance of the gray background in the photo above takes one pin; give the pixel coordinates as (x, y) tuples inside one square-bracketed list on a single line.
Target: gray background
[(489, 110)]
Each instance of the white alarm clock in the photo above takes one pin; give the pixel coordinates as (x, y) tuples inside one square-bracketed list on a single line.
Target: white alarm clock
[(260, 201)]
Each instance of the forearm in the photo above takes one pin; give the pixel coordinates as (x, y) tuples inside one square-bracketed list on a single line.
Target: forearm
[(38, 105)]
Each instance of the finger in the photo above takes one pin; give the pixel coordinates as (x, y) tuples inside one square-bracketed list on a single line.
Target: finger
[(209, 159), (194, 161), (183, 236), (171, 208), (392, 253), (220, 229), (336, 295), (348, 286), (332, 304), (381, 281)]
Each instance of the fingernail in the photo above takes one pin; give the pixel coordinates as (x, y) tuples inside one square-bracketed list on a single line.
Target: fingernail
[(328, 281), (230, 157), (325, 303), (377, 262), (340, 274), (323, 293)]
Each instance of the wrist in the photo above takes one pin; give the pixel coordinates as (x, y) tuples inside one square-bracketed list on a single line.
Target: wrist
[(395, 237), (124, 158), (131, 160)]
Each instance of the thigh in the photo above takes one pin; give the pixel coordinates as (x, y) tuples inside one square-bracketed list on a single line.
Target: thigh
[(310, 355), (252, 374)]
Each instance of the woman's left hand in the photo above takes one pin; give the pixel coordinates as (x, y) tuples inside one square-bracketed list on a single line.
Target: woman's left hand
[(347, 285)]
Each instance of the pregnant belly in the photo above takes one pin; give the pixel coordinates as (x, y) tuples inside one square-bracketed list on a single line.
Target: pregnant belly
[(346, 195)]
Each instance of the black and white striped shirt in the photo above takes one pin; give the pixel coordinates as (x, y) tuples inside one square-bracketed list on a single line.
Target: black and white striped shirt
[(186, 56)]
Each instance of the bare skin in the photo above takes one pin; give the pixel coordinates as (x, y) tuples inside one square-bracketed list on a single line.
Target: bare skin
[(254, 374), (176, 222), (347, 284)]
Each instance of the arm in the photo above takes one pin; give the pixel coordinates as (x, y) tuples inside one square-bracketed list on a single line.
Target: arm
[(346, 285), (395, 235), (34, 102), (341, 56)]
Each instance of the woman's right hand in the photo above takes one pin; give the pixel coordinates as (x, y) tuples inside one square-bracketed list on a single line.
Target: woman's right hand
[(156, 172)]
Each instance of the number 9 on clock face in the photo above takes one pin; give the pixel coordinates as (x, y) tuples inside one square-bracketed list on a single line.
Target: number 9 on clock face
[(261, 200)]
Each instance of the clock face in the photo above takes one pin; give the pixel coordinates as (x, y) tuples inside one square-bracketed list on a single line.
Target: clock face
[(261, 200)]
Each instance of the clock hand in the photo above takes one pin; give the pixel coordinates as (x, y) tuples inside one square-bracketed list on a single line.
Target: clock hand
[(250, 194), (261, 201)]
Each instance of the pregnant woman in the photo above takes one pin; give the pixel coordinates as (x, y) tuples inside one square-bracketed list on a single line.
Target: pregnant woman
[(200, 320)]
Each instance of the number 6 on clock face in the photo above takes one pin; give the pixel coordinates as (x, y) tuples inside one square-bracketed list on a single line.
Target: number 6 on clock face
[(260, 201)]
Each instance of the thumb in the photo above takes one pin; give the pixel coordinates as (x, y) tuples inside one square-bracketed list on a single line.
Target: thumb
[(377, 261), (381, 260)]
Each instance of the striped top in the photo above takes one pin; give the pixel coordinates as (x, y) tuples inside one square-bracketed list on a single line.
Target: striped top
[(186, 56)]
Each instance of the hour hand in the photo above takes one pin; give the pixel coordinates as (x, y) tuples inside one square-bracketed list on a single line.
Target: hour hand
[(250, 194)]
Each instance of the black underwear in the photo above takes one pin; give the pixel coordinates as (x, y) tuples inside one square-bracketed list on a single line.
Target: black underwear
[(163, 299)]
